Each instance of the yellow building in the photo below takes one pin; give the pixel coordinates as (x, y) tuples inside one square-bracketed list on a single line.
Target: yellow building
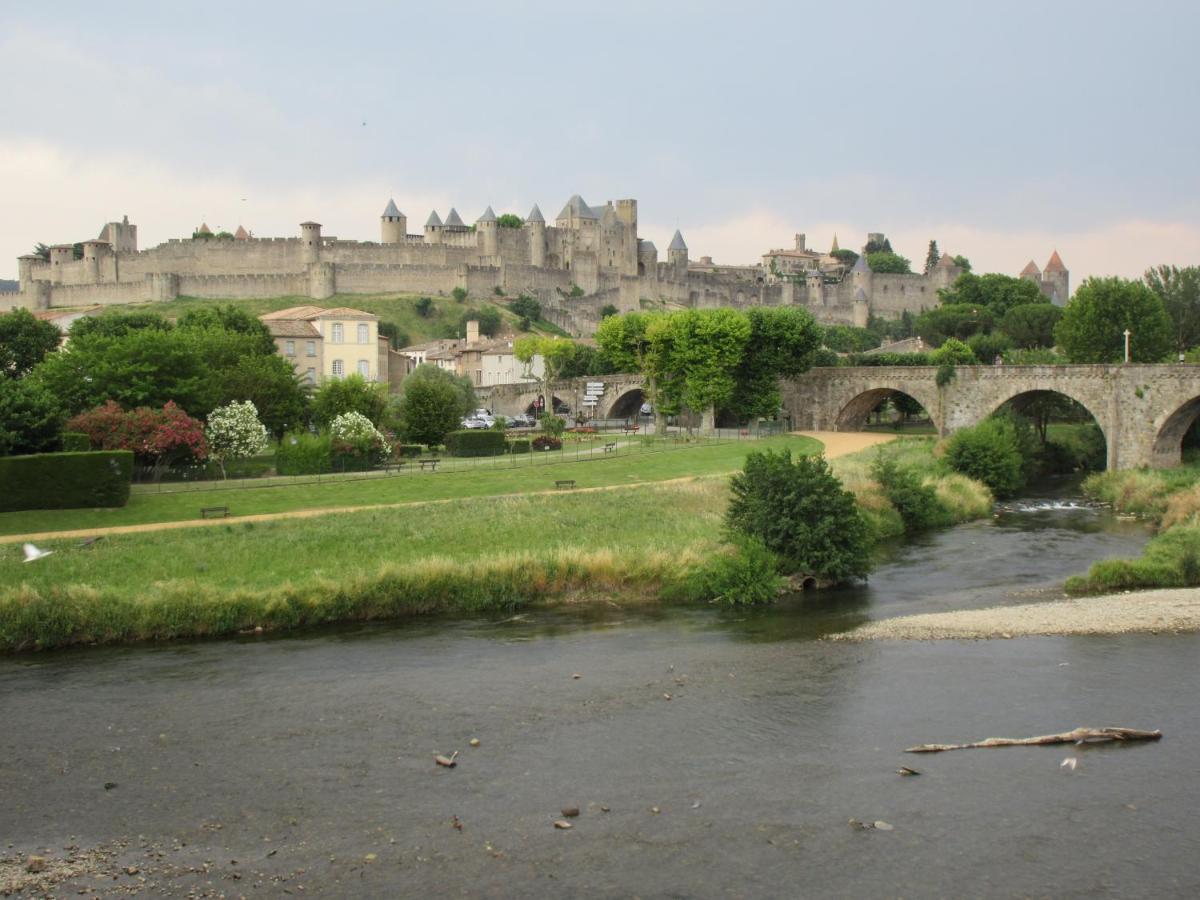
[(329, 343)]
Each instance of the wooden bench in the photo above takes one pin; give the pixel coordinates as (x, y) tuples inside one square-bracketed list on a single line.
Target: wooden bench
[(430, 464), (630, 429), (610, 447), (565, 484), (390, 467), (214, 512)]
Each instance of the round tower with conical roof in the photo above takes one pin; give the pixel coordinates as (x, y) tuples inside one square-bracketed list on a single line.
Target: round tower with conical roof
[(393, 225), (677, 255), (536, 223), (487, 229), (433, 228), (1058, 280)]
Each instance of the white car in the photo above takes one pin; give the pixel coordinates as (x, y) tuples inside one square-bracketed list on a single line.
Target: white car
[(474, 423)]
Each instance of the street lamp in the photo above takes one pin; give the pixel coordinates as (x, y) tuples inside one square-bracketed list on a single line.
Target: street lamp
[(1127, 333)]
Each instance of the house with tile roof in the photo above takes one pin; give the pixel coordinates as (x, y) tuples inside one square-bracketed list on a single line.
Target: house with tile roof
[(330, 343)]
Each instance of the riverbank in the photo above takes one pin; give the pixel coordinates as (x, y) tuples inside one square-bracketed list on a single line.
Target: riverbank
[(1152, 612)]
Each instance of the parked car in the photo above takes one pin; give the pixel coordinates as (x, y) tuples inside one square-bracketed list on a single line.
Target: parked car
[(522, 420), (647, 409), (474, 423)]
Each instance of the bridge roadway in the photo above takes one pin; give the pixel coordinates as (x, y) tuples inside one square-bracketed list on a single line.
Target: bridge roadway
[(1143, 410)]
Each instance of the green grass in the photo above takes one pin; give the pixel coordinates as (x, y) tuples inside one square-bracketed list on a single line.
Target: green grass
[(634, 463)]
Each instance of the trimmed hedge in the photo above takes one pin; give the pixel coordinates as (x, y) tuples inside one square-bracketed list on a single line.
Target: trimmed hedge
[(409, 451), (302, 453), (475, 442), (520, 445), (65, 480), (76, 442)]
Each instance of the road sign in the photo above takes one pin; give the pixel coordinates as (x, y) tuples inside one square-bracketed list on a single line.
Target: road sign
[(596, 384), (589, 403)]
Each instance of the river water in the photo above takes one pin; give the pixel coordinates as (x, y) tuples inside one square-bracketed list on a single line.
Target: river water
[(308, 759)]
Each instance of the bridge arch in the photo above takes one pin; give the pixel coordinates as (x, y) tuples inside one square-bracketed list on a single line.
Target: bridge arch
[(627, 404), (1019, 399), (853, 413), (1169, 431)]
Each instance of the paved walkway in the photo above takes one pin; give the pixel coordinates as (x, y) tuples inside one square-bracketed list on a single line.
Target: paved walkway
[(836, 444)]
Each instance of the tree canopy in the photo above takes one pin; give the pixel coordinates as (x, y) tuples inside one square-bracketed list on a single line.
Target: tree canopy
[(1031, 325), (888, 263), (1179, 290), (999, 293), (350, 394), (431, 404), (24, 341), (1093, 324)]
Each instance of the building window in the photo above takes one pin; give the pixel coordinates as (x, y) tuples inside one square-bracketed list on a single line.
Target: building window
[(364, 334), (310, 348), (339, 368), (364, 368), (291, 348), (311, 376), (337, 332)]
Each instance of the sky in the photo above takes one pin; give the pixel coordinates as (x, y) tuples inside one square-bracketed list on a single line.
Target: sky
[(1002, 130)]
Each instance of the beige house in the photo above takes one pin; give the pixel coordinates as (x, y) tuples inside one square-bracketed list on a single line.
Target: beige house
[(485, 362), (329, 343)]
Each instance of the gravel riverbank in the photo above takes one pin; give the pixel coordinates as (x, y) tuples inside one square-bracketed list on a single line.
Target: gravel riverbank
[(1175, 610)]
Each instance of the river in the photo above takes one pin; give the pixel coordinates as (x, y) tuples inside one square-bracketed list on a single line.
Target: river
[(305, 763)]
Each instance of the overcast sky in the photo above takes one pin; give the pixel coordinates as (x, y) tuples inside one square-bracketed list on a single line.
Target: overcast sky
[(1003, 130)]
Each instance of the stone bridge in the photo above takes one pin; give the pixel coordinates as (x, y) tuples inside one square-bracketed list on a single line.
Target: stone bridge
[(622, 398), (1143, 410)]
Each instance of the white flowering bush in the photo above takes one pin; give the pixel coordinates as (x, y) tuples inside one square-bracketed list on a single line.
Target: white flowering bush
[(355, 435), (234, 432)]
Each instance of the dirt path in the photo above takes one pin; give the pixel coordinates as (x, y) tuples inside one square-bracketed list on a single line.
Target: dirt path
[(1140, 611), (836, 444)]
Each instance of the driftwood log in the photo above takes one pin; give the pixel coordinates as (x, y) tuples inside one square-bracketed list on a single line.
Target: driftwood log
[(1078, 736)]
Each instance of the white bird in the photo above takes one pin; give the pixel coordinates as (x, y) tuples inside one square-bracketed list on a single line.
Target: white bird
[(1069, 763), (32, 553)]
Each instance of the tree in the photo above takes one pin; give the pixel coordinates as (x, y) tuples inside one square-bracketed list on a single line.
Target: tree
[(424, 307), (801, 512), (228, 317), (989, 452), (526, 307), (508, 220), (112, 323), (1179, 290), (489, 320), (932, 257), (962, 262), (956, 320), (845, 256), (584, 361), (986, 347), (886, 262), (397, 337), (608, 310), (24, 341), (1031, 325), (272, 385), (1093, 324), (998, 293), (703, 349), (157, 437), (848, 339), (41, 251), (459, 294), (781, 343), (884, 246), (555, 353), (353, 434), (431, 404), (30, 417), (350, 394), (234, 432), (624, 341), (953, 353)]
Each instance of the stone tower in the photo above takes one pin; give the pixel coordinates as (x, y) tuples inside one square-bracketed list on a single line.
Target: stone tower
[(677, 255), (433, 228), (486, 227), (1058, 278), (393, 225), (310, 240), (1031, 273), (860, 278), (60, 255), (121, 236), (536, 223)]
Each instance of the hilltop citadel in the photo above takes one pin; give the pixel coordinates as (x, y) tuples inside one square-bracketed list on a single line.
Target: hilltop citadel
[(590, 258)]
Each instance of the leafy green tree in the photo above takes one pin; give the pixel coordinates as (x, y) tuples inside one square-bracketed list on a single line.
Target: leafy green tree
[(989, 452), (489, 320), (584, 361), (508, 220), (31, 417), (781, 344), (272, 385), (228, 317), (353, 393), (954, 353), (396, 336), (608, 310), (1179, 290), (845, 256), (986, 347), (884, 246), (1093, 324), (526, 307), (993, 291), (956, 320), (1031, 325), (430, 405), (886, 262), (25, 340), (555, 353), (459, 294), (932, 257), (625, 342), (801, 512), (848, 339), (424, 307), (706, 347), (112, 323), (962, 262), (41, 251)]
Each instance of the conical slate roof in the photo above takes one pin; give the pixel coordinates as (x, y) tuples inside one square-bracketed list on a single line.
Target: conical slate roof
[(577, 208), (488, 216), (454, 220), (434, 219), (1056, 263), (860, 265), (646, 246), (677, 242), (392, 211), (1031, 269), (835, 248), (535, 215)]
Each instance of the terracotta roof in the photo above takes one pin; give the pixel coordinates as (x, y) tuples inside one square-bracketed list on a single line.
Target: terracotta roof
[(203, 229), (292, 328), (1056, 263), (292, 312), (241, 234), (1031, 269), (344, 312), (947, 262)]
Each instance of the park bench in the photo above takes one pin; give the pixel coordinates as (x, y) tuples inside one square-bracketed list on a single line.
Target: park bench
[(630, 429), (390, 467), (214, 512), (610, 447), (430, 464), (565, 484)]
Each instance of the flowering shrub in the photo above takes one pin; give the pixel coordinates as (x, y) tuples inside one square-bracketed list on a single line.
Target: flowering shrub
[(546, 442), (234, 432), (353, 435), (158, 437)]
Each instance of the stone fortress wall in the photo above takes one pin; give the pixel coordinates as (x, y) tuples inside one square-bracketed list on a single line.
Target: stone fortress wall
[(589, 258)]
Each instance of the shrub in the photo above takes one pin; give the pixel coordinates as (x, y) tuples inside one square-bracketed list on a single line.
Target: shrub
[(1171, 559), (424, 307), (745, 574), (520, 445), (353, 434), (65, 480), (234, 432), (526, 307), (801, 512), (546, 442), (954, 352), (31, 417), (302, 453), (157, 437), (990, 452), (409, 451), (75, 442), (350, 394), (475, 442), (553, 425), (917, 502), (459, 294)]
